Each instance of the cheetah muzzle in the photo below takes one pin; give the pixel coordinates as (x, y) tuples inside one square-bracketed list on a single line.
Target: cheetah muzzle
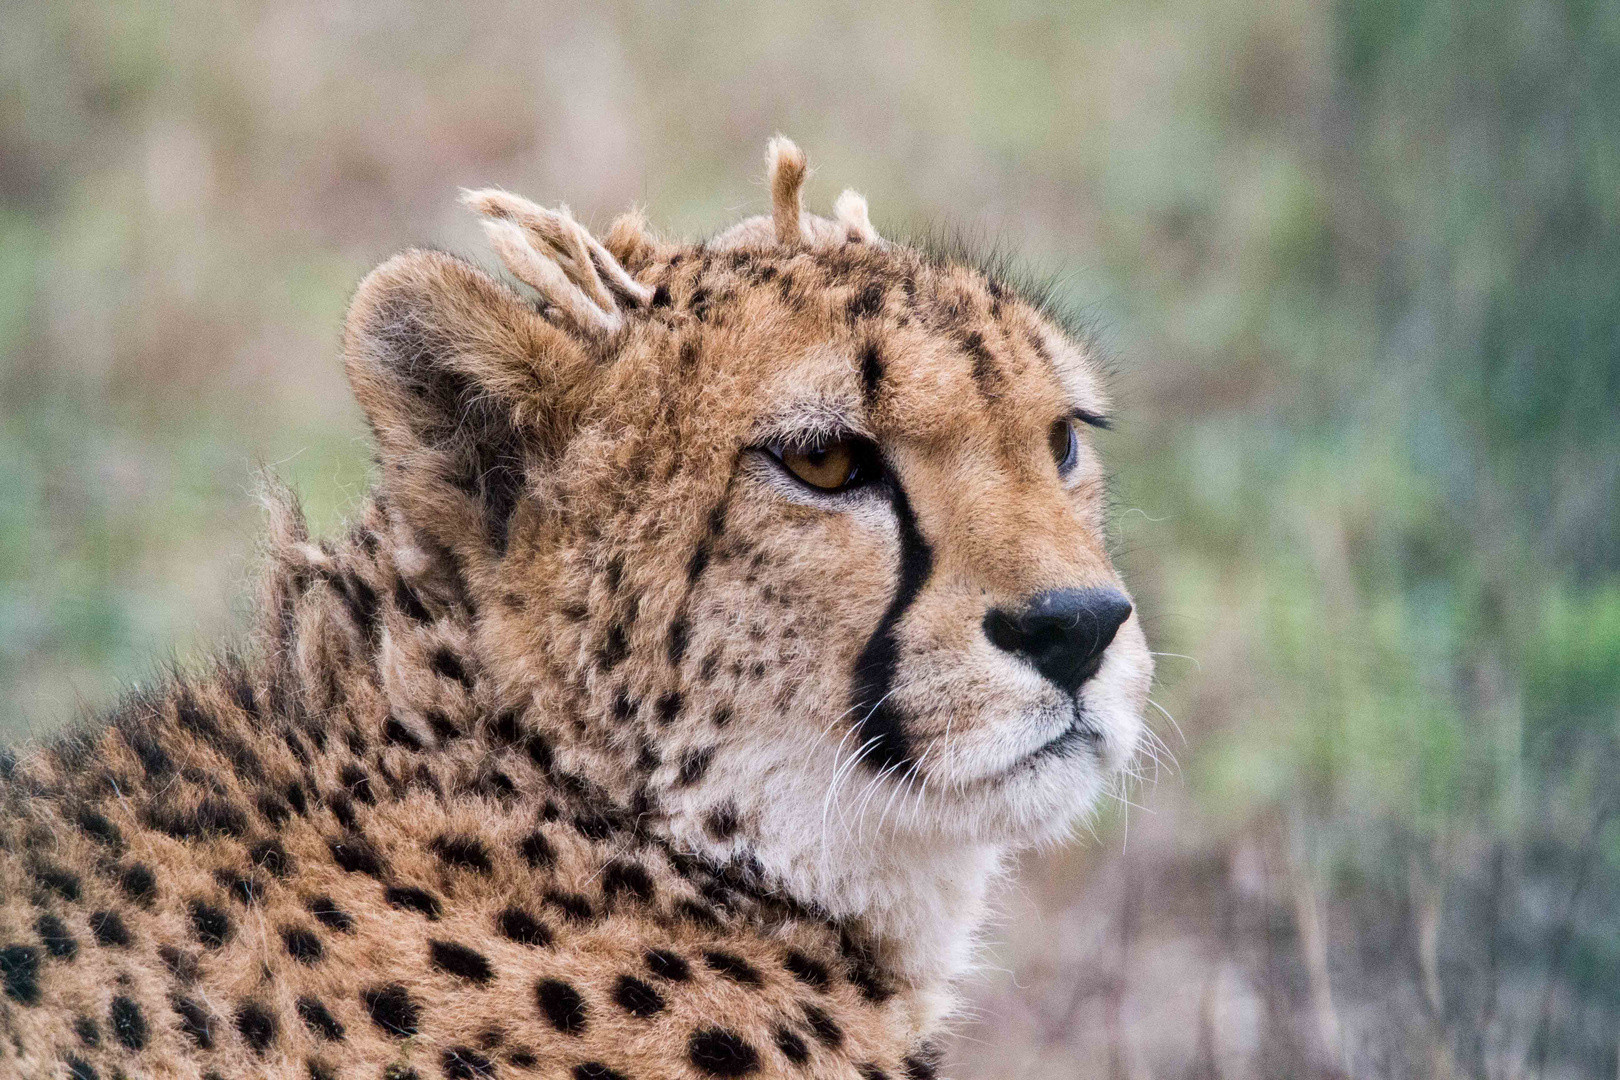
[(722, 616)]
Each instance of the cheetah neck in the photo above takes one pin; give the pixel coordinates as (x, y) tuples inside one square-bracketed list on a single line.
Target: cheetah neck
[(917, 902)]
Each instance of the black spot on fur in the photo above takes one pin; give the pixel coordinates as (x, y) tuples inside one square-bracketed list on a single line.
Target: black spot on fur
[(537, 850), (524, 1059), (137, 882), (271, 857), (296, 798), (397, 734), (871, 373), (318, 1019), (824, 1027), (410, 605), (505, 729), (986, 376), (595, 1070), (19, 973), (694, 765), (460, 961), (359, 599), (88, 1031), (355, 855), (872, 1072), (128, 1023), (732, 967), (864, 974), (918, 1068), (867, 302), (465, 1063), (79, 1069), (806, 970), (562, 1005), (53, 934), (99, 829), (59, 881), (274, 810), (636, 997), (593, 826), (721, 1053), (680, 632), (392, 1009), (400, 1072), (443, 729), (463, 852), (518, 925), (722, 823), (318, 1071), (302, 944), (343, 809), (210, 816), (212, 926), (699, 562), (195, 1021), (668, 965), (792, 1047), (660, 298), (615, 647), (573, 906), (257, 1025), (180, 964), (109, 929), (669, 707), (358, 782), (495, 784), (329, 915), (155, 761), (243, 888), (698, 913), (539, 751), (448, 664), (412, 899), (627, 878)]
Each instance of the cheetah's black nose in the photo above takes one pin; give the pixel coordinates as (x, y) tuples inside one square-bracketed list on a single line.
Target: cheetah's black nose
[(1062, 632)]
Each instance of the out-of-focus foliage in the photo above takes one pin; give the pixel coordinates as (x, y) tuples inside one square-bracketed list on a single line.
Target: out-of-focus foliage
[(1360, 267)]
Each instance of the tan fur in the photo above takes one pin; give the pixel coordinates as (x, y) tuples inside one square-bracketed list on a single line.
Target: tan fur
[(585, 606)]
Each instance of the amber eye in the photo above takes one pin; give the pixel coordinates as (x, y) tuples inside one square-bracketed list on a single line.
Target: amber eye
[(1063, 444), (828, 466)]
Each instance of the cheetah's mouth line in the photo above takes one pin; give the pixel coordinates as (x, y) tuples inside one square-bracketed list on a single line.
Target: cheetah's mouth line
[(1082, 735)]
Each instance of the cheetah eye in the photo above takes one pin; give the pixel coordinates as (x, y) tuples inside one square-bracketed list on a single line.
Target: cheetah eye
[(832, 465), (1064, 444)]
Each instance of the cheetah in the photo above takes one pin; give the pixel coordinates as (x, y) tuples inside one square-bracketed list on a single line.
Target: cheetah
[(721, 618)]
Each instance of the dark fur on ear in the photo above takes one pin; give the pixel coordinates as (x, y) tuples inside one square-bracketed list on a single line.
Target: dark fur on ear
[(466, 387)]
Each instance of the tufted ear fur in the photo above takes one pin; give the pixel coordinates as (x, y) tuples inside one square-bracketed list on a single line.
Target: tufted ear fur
[(466, 388)]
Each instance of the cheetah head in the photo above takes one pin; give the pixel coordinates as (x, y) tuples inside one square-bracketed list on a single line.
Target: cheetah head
[(793, 539)]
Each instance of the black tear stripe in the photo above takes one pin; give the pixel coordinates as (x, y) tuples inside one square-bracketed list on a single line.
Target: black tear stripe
[(881, 725)]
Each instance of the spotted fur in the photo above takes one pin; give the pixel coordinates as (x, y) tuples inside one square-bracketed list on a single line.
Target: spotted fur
[(597, 747)]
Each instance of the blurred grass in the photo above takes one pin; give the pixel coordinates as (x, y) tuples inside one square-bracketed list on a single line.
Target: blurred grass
[(1360, 264)]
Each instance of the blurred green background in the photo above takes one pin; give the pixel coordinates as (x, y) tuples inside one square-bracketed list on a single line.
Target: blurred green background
[(1358, 264)]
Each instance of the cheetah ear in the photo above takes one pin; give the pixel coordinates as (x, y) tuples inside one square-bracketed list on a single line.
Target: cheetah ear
[(850, 212), (555, 256), (785, 165), (466, 387)]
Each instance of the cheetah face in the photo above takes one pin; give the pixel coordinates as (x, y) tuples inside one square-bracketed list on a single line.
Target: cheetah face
[(797, 533), (916, 555)]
